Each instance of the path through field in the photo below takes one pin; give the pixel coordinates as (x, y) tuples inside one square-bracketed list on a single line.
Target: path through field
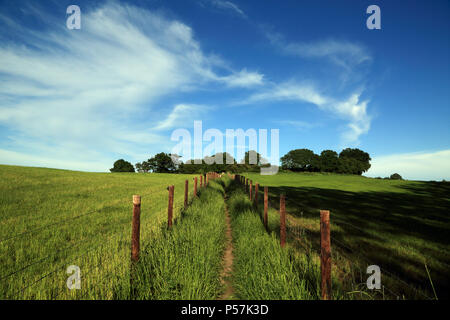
[(227, 258)]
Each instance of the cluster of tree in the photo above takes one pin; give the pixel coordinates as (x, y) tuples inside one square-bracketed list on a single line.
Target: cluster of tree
[(170, 163), (161, 163), (349, 161), (394, 176)]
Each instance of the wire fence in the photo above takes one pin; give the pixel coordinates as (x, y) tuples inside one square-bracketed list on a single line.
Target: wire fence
[(82, 249), (309, 241)]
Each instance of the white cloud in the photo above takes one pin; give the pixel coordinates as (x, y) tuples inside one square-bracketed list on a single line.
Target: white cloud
[(413, 166), (343, 53), (244, 79), (181, 115), (229, 6), (353, 110), (97, 88)]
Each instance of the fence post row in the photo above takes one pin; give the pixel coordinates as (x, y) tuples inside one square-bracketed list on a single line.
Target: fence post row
[(282, 220), (170, 206), (325, 254), (266, 205), (135, 228)]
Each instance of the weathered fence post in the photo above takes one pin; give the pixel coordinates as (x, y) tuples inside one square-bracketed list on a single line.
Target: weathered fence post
[(135, 229), (195, 187), (251, 190), (201, 181), (256, 193), (266, 205), (186, 193), (170, 206), (325, 254), (207, 180), (246, 185), (282, 220)]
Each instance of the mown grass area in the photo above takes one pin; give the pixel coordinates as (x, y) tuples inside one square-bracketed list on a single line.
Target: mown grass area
[(397, 225), (261, 268), (186, 261), (51, 219)]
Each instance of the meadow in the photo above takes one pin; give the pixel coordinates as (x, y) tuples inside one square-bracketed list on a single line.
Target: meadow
[(50, 219), (401, 226)]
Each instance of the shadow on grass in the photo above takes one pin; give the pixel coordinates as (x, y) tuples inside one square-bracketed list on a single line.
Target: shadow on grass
[(399, 231)]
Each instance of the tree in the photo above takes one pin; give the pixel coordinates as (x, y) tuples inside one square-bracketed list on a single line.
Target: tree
[(395, 176), (122, 166), (300, 160), (329, 161), (362, 157), (161, 163), (348, 166)]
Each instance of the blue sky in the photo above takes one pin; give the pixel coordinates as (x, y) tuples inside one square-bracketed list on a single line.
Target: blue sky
[(138, 70)]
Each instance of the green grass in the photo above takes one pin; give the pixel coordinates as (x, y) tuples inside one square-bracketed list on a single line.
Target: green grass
[(398, 225), (186, 261), (261, 268), (49, 201)]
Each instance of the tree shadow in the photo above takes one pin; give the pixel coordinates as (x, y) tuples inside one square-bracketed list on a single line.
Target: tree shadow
[(399, 231)]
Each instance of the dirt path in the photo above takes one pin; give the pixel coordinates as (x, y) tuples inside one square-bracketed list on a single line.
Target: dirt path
[(227, 258)]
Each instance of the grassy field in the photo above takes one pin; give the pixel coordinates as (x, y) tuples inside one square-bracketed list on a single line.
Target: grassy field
[(50, 219), (397, 225)]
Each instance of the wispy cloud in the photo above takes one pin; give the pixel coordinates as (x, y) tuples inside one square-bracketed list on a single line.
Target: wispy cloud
[(244, 79), (225, 5), (98, 87), (352, 109), (181, 115), (415, 166)]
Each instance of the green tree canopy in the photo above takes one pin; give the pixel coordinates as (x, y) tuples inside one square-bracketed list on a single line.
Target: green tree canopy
[(122, 166), (362, 157), (161, 163), (300, 160), (329, 161)]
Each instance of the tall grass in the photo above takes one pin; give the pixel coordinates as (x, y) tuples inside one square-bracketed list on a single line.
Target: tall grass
[(51, 219), (261, 268), (186, 261)]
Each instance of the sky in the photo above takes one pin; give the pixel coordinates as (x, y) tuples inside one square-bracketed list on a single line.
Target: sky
[(136, 71)]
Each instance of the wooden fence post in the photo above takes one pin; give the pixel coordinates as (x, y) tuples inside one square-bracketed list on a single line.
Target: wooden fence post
[(170, 206), (246, 185), (201, 181), (325, 254), (256, 193), (251, 190), (135, 229), (195, 187), (186, 193), (282, 220), (266, 205)]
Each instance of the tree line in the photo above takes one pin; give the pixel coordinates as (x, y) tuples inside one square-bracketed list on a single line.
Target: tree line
[(348, 161)]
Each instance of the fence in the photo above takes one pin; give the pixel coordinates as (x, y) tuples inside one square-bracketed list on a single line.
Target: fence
[(67, 255), (300, 234)]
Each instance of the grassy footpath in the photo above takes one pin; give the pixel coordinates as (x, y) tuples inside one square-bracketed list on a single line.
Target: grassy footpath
[(186, 261), (261, 269)]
